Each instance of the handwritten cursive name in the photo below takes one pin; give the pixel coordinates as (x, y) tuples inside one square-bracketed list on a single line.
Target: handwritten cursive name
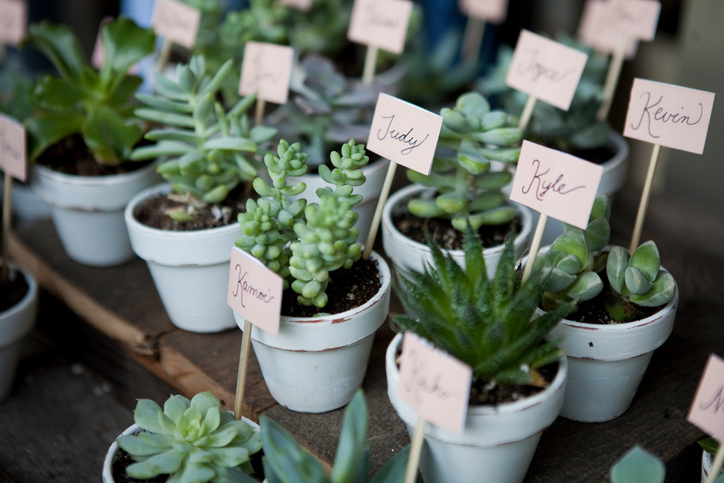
[(264, 73), (537, 70), (398, 135), (171, 18), (661, 115), (717, 401), (244, 287), (543, 186), (8, 148), (422, 384), (374, 17)]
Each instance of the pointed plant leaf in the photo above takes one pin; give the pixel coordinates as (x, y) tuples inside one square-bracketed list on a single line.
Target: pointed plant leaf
[(636, 281), (638, 466), (616, 268), (646, 259), (663, 290)]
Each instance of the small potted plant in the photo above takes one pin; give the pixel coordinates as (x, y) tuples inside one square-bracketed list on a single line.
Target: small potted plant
[(185, 228), (319, 357), (518, 378), (462, 188), (625, 309), (80, 135), (188, 440)]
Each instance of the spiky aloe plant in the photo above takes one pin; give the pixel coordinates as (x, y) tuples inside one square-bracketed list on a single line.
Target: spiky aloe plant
[(192, 441), (484, 323)]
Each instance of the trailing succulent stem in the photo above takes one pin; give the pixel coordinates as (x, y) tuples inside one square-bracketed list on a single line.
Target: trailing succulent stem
[(467, 190)]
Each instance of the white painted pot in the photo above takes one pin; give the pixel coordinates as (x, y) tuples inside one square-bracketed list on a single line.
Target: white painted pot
[(88, 211), (27, 206), (315, 364), (498, 442), (408, 255), (111, 454), (190, 268), (707, 460), (15, 323), (370, 191)]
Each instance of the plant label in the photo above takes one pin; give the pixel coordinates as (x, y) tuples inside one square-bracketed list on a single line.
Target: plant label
[(380, 23), (255, 292), (303, 5), (493, 11), (669, 115), (556, 184), (266, 69), (707, 410), (434, 383), (546, 69), (404, 133), (635, 18), (13, 158), (13, 21), (596, 31), (176, 22)]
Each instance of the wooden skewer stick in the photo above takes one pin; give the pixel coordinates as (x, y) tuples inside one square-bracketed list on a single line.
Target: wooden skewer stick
[(243, 368), (164, 55), (378, 210), (535, 246), (716, 465), (473, 40), (527, 113), (644, 204), (614, 72), (415, 451), (7, 213), (368, 74), (259, 113)]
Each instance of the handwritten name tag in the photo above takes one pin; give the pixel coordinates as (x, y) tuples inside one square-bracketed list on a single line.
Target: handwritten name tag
[(493, 11), (13, 21), (303, 5), (255, 292), (595, 30), (266, 69), (636, 18), (13, 159), (380, 23), (176, 22), (707, 410), (556, 184), (669, 115), (435, 384), (404, 133), (546, 69)]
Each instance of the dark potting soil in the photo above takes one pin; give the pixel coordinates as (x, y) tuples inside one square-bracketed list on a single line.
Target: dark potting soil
[(481, 394), (72, 156), (445, 235), (347, 289), (594, 311), (12, 291), (152, 212)]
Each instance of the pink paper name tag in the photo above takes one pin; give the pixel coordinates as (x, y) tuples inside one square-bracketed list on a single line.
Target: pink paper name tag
[(13, 159), (380, 23), (176, 22), (266, 69), (556, 184), (595, 30), (435, 384), (13, 21), (545, 69), (669, 115), (707, 410), (404, 133), (635, 18), (255, 292), (303, 5), (493, 11)]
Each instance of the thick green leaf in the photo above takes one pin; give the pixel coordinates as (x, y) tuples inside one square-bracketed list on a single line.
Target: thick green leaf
[(493, 181), (636, 281), (638, 466), (573, 243), (616, 268), (286, 458), (109, 136), (48, 128), (646, 258), (178, 120), (124, 44), (234, 144), (352, 440), (586, 286), (58, 94), (661, 293), (598, 233), (60, 45), (164, 104), (394, 470)]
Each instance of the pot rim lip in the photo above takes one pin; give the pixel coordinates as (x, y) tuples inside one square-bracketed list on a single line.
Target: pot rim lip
[(400, 194), (107, 179), (27, 298), (508, 407)]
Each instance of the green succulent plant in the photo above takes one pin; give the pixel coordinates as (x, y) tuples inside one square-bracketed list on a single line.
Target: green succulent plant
[(81, 100), (209, 150), (467, 190), (192, 441), (484, 323), (303, 242), (638, 466)]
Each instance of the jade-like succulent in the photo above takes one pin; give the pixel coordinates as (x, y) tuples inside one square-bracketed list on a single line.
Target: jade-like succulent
[(192, 441), (636, 280), (467, 190), (304, 243), (484, 323), (639, 466), (286, 462), (81, 100), (208, 150)]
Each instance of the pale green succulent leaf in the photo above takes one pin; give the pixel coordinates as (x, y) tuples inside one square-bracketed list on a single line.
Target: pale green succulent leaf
[(165, 463), (598, 233), (425, 208), (352, 440), (646, 259), (638, 466), (586, 286), (636, 281), (663, 290), (616, 266), (572, 243)]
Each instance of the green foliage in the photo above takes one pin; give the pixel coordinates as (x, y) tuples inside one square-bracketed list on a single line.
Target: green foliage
[(486, 324), (467, 191), (304, 243), (209, 150), (94, 104), (193, 441), (286, 462), (638, 466), (709, 445)]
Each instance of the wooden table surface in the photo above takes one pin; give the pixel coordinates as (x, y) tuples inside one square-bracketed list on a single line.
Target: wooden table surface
[(123, 306)]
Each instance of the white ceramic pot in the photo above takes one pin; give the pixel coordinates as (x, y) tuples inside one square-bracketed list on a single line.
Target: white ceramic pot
[(707, 460), (111, 454), (497, 443), (189, 268), (408, 255), (315, 364), (15, 323), (370, 191), (27, 206)]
